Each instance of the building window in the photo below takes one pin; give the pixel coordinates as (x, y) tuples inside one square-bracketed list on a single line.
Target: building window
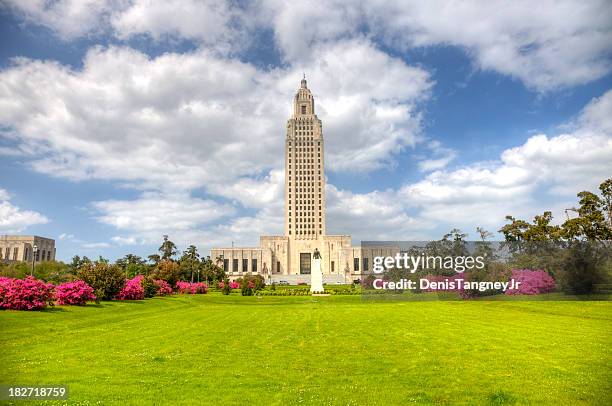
[(303, 109), (333, 266), (365, 265), (7, 253), (235, 265), (278, 266), (226, 265), (15, 252), (356, 264), (245, 265), (254, 265)]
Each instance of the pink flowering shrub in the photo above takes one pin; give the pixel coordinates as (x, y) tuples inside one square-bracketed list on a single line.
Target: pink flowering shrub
[(163, 288), (191, 288), (532, 282), (251, 285), (221, 285), (74, 293), (25, 294), (234, 285), (132, 290)]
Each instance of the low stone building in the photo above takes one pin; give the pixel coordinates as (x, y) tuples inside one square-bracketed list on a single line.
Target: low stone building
[(21, 248)]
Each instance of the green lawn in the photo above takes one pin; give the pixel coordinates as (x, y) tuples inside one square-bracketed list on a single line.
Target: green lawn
[(303, 350)]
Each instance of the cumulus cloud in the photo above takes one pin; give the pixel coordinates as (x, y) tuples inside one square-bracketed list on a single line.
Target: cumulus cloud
[(438, 158), (196, 119), (153, 212), (520, 182), (14, 219), (69, 19), (547, 45)]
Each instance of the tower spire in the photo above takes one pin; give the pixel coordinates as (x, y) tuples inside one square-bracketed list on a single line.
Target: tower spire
[(303, 85)]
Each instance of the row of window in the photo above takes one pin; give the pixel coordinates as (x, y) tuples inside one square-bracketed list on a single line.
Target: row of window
[(245, 265), (40, 255), (307, 143)]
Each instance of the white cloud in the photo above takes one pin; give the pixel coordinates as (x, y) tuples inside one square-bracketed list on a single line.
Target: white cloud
[(95, 245), (69, 19), (119, 240), (438, 158), (153, 213), (157, 123), (549, 45), (525, 180), (205, 21), (15, 220)]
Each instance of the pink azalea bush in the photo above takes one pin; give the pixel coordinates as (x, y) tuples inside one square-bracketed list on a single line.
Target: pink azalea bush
[(191, 288), (234, 285), (132, 290), (74, 293), (163, 287), (532, 282), (25, 294), (251, 285), (221, 285)]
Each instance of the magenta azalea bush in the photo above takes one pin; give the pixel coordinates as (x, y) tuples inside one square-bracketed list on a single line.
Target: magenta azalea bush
[(132, 290), (25, 294), (191, 288), (74, 293), (163, 287), (234, 285), (532, 282)]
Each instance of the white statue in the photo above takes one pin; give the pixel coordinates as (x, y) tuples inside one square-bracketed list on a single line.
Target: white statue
[(316, 273)]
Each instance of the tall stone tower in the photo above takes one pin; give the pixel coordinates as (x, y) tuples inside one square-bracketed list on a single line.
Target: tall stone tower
[(304, 170)]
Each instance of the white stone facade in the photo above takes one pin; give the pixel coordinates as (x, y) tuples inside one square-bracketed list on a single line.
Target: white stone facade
[(20, 248)]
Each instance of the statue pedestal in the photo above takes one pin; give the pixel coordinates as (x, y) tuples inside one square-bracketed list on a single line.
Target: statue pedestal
[(316, 276)]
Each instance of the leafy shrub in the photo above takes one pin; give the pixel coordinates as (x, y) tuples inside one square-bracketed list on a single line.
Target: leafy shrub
[(167, 270), (74, 293), (163, 288), (532, 282), (247, 288), (226, 289), (105, 279), (257, 282), (584, 266), (149, 286), (191, 288), (25, 294), (133, 289)]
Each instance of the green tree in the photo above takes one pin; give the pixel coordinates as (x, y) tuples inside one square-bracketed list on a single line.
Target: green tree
[(190, 262), (154, 258), (168, 271), (167, 249), (106, 280)]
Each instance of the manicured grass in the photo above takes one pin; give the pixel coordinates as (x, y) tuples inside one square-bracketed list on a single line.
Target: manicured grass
[(327, 350)]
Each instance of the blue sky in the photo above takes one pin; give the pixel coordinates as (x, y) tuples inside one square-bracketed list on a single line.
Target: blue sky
[(124, 121)]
